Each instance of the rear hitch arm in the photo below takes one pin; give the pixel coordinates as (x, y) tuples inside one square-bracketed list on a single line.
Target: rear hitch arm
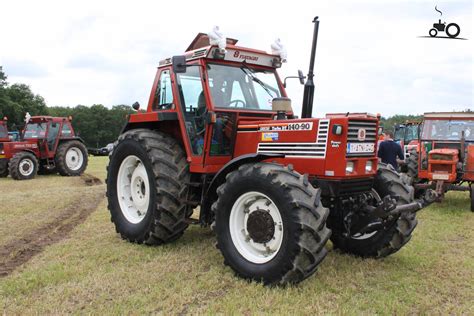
[(389, 208)]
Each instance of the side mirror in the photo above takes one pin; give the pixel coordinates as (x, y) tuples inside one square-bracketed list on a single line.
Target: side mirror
[(136, 106), (301, 76), (380, 132), (179, 64)]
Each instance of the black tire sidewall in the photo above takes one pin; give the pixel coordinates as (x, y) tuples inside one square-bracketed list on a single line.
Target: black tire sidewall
[(435, 32), (129, 147), (457, 28), (32, 158), (270, 270)]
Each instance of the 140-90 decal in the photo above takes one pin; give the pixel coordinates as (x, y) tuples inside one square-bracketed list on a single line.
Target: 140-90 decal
[(303, 126)]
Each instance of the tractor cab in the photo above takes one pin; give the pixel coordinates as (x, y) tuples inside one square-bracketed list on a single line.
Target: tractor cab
[(4, 131), (407, 136)]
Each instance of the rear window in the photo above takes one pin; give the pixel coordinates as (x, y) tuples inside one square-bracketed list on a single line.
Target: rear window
[(3, 131)]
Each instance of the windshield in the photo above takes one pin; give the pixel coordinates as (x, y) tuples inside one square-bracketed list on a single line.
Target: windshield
[(242, 87), (447, 130), (35, 130), (399, 133), (411, 133), (3, 131)]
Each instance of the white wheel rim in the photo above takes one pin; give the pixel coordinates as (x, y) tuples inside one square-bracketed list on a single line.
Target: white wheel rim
[(26, 167), (244, 206), (74, 158), (133, 189), (359, 236)]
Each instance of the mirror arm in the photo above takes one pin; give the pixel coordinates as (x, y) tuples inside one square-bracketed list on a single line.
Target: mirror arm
[(290, 77)]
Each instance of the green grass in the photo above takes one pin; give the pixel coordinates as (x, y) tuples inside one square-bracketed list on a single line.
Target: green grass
[(94, 271)]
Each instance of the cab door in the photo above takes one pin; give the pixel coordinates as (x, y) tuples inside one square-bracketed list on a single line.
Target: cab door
[(52, 138)]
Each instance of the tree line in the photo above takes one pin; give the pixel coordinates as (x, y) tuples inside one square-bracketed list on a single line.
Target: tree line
[(97, 125)]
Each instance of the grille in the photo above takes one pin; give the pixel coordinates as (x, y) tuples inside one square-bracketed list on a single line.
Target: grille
[(441, 157), (370, 131), (441, 168), (303, 150)]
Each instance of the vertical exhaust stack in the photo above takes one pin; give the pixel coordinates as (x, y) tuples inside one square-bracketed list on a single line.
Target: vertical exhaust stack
[(308, 94)]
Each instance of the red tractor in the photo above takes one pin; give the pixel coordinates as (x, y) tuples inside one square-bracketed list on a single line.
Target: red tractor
[(3, 139), (219, 132), (48, 144), (407, 136), (444, 158)]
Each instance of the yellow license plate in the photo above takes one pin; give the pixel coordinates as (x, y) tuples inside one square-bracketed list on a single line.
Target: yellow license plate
[(438, 176)]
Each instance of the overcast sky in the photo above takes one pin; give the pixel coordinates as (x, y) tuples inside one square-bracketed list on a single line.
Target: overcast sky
[(369, 56)]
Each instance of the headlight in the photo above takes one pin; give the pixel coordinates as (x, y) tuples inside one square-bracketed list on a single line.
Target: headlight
[(368, 166), (350, 167)]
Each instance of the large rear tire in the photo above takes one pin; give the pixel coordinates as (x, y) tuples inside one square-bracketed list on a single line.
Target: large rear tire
[(147, 184), (396, 233), (71, 158), (3, 168), (23, 166), (270, 224)]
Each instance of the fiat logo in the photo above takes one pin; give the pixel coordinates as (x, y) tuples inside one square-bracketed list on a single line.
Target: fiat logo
[(361, 134)]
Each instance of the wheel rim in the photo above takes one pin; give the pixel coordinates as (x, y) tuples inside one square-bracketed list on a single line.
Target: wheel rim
[(360, 236), (26, 167), (74, 158), (133, 189), (256, 227)]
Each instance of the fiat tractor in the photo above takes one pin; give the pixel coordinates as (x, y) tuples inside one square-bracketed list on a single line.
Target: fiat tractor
[(3, 139), (444, 159), (219, 133), (48, 144)]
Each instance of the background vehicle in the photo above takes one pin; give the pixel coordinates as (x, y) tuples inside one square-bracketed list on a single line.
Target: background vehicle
[(3, 139), (445, 156), (48, 144), (219, 132), (407, 136)]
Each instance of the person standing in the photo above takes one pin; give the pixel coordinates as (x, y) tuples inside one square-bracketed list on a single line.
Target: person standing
[(390, 152)]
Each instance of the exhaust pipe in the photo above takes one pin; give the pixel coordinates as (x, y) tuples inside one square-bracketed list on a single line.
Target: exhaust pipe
[(308, 94)]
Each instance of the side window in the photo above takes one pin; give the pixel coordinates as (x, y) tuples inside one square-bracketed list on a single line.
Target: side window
[(193, 106), (164, 93), (222, 134), (66, 130)]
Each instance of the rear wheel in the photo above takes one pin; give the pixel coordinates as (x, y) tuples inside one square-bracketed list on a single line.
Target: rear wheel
[(453, 30), (270, 224), (147, 186), (390, 236), (472, 198), (3, 168), (71, 158), (23, 166)]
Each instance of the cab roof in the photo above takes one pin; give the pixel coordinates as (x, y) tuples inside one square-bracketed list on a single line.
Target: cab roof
[(200, 48), (449, 115)]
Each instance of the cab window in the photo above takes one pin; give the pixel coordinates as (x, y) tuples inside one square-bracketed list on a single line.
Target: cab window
[(164, 94), (66, 130)]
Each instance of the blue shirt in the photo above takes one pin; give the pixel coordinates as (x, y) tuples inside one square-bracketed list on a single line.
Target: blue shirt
[(389, 151)]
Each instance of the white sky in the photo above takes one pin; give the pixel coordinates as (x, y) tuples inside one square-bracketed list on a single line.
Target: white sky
[(369, 56)]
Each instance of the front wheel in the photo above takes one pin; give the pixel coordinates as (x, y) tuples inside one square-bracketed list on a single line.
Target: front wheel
[(387, 237), (23, 166), (270, 224), (3, 168), (433, 32)]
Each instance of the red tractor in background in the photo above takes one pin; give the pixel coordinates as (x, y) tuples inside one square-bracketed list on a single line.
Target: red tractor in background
[(444, 157), (3, 139), (219, 132), (407, 136), (48, 144)]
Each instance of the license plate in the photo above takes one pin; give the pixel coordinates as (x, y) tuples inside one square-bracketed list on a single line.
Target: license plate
[(353, 148), (440, 176)]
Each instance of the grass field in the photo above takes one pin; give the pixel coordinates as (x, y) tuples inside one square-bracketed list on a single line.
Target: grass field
[(55, 260)]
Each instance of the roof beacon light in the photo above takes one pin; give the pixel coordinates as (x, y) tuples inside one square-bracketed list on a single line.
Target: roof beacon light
[(279, 49), (217, 38)]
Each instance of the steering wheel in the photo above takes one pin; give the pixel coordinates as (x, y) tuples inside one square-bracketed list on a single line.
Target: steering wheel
[(237, 101)]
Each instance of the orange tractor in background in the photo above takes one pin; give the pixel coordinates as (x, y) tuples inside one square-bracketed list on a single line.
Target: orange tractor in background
[(444, 157)]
